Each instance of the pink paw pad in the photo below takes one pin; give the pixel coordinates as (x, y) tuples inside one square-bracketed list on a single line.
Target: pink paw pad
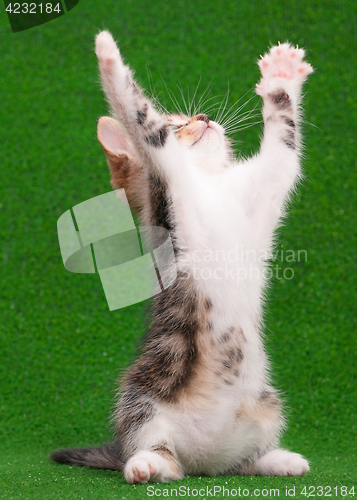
[(284, 61), (305, 69), (283, 73)]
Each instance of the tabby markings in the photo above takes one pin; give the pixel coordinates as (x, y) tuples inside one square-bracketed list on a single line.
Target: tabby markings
[(158, 138), (290, 141), (269, 398), (288, 121), (138, 408), (159, 203), (281, 99), (208, 304), (142, 114), (161, 370)]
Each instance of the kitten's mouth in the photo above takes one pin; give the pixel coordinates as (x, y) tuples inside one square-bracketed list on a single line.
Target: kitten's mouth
[(202, 131), (192, 132)]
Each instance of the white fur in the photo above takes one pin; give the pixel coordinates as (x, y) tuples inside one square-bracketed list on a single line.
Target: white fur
[(281, 463), (222, 208), (148, 466)]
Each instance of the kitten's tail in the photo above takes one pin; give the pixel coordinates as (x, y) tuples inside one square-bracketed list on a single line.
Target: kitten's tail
[(103, 457)]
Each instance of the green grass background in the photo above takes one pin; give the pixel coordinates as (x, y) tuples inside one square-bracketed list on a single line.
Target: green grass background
[(61, 348)]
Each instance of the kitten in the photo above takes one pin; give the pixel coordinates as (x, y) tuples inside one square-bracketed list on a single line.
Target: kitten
[(199, 400)]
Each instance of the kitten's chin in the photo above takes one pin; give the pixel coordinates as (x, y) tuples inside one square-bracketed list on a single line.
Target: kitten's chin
[(211, 128), (216, 127), (211, 152), (205, 143)]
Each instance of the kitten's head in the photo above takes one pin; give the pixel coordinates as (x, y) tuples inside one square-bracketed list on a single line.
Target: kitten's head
[(203, 140)]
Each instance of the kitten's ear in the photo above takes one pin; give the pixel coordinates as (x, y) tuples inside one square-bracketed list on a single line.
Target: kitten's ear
[(123, 163), (112, 137), (116, 146)]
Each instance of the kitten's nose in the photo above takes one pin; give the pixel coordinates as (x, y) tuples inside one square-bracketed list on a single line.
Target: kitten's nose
[(202, 118)]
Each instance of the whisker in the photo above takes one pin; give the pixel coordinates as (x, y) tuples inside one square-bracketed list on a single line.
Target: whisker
[(221, 112), (192, 103), (200, 104), (175, 101), (235, 103), (183, 98), (188, 102), (172, 97), (238, 110), (214, 106), (243, 127), (236, 123), (155, 96), (237, 119), (243, 121), (312, 124), (211, 111)]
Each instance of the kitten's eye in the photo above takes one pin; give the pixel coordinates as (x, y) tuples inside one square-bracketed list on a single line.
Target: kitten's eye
[(177, 127)]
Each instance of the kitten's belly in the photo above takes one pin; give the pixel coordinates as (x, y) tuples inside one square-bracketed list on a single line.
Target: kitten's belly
[(214, 442)]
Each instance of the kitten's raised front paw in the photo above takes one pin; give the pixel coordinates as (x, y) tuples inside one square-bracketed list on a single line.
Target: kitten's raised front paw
[(282, 463), (105, 46), (147, 465), (283, 62)]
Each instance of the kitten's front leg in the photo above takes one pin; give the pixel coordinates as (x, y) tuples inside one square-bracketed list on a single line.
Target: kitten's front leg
[(277, 167), (147, 128), (283, 73)]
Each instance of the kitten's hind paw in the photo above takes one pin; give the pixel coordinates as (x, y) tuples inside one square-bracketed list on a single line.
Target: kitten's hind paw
[(283, 62), (281, 463), (145, 466)]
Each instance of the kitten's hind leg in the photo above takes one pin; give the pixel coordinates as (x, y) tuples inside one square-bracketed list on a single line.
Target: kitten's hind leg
[(277, 463), (159, 465)]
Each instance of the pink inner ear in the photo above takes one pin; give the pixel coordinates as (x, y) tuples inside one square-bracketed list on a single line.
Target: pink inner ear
[(112, 137)]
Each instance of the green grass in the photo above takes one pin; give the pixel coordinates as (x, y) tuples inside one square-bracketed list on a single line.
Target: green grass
[(61, 348)]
